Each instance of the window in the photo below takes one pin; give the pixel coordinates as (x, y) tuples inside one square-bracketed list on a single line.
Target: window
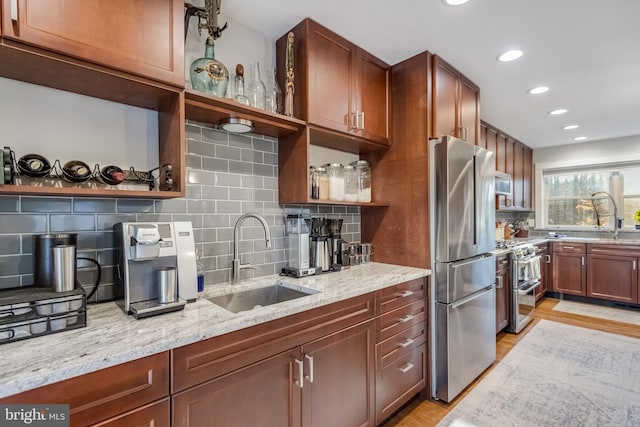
[(577, 197)]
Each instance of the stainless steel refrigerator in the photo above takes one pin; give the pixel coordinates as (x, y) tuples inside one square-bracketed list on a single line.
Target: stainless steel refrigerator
[(463, 296)]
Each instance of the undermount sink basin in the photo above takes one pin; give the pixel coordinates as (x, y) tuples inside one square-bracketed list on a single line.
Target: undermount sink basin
[(261, 297)]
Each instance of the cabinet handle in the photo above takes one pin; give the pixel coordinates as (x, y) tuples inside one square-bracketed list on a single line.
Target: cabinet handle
[(14, 10), (405, 294), (406, 343), (499, 284), (310, 360), (362, 123), (547, 259), (506, 261), (463, 133), (300, 380), (582, 260), (354, 120), (406, 368), (406, 318), (634, 264)]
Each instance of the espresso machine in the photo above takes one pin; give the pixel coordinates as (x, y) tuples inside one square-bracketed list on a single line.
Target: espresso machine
[(156, 270), (297, 227)]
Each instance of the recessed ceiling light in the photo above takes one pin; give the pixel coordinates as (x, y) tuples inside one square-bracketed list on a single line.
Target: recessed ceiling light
[(569, 127), (558, 111), (580, 138), (510, 55), (538, 90), (455, 2)]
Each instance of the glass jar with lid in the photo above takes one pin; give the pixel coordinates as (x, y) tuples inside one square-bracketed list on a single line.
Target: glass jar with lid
[(364, 180), (335, 171), (351, 184), (323, 183)]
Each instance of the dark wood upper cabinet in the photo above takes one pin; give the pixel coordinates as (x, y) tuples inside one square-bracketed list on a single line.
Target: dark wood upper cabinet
[(456, 103), (136, 36), (339, 86)]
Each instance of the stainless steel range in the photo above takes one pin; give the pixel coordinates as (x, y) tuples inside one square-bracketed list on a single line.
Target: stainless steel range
[(525, 278)]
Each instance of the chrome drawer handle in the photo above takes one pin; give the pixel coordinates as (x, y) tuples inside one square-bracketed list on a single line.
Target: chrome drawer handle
[(300, 381), (406, 368), (406, 343), (406, 318), (568, 247), (405, 294)]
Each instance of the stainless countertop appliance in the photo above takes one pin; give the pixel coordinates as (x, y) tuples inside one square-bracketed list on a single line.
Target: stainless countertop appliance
[(156, 267), (462, 198), (525, 278)]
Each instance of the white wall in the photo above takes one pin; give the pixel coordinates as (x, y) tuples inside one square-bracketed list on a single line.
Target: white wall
[(605, 151)]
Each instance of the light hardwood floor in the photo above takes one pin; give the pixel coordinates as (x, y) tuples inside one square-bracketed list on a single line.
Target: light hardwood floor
[(422, 412)]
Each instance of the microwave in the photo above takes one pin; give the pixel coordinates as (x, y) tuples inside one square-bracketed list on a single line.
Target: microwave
[(504, 183)]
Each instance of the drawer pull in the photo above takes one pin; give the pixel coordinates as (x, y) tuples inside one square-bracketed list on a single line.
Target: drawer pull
[(504, 262), (406, 368), (406, 343), (547, 259), (300, 380), (406, 318), (14, 10), (405, 294), (568, 247)]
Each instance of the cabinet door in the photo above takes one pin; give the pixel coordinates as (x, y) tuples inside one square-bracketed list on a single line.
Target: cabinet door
[(482, 141), (569, 273), (503, 286), (527, 179), (492, 143), (544, 258), (331, 80), (264, 393), (469, 111), (612, 277), (372, 98), (518, 174), (339, 373), (153, 415), (136, 36), (445, 96)]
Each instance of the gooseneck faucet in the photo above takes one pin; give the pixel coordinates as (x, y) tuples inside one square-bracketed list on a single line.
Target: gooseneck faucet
[(236, 266), (617, 222)]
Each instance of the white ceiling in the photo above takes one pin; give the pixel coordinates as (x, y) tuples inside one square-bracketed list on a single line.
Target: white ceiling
[(587, 51)]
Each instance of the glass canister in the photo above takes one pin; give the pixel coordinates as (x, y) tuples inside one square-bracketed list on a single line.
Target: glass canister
[(351, 184), (335, 171), (323, 183), (364, 180), (314, 189)]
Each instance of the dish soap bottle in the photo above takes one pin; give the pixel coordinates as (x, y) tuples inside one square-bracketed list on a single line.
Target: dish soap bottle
[(200, 273)]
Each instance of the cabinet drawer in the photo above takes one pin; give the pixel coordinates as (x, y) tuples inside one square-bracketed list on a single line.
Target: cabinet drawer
[(619, 250), (399, 381), (105, 393), (400, 319), (576, 248), (396, 346), (199, 362), (396, 296), (153, 415)]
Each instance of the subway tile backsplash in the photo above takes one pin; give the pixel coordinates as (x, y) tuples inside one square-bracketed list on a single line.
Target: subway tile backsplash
[(227, 175)]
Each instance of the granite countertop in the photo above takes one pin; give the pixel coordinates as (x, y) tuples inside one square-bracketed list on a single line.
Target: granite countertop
[(112, 338), (568, 239)]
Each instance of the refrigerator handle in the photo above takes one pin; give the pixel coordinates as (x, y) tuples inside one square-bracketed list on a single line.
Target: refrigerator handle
[(475, 200), (471, 297)]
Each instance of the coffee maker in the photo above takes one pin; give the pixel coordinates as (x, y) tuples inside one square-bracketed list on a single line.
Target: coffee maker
[(320, 244), (297, 227), (156, 270), (335, 239)]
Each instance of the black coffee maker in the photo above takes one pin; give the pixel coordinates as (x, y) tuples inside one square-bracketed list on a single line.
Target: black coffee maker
[(320, 251), (335, 238)]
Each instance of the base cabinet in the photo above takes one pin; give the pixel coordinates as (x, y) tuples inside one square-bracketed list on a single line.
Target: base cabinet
[(503, 286), (569, 268), (612, 273), (545, 262)]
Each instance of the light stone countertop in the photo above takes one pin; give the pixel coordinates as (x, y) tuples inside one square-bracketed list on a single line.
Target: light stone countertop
[(112, 338)]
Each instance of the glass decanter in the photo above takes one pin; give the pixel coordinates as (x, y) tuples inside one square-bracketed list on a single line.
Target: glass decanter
[(208, 74), (257, 90), (274, 96)]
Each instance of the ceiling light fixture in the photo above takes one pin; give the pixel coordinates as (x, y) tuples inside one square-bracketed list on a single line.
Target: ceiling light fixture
[(454, 2), (569, 127), (236, 125), (510, 55), (558, 111), (580, 138), (538, 90)]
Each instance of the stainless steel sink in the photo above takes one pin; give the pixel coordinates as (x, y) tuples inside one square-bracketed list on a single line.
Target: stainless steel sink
[(261, 297)]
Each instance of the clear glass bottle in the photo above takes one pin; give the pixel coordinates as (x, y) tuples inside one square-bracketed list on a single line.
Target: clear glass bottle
[(200, 273), (351, 187), (335, 171), (239, 84), (323, 183), (208, 74), (274, 96), (257, 89), (364, 180)]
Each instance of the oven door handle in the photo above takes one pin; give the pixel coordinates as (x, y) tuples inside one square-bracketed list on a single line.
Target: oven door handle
[(526, 289)]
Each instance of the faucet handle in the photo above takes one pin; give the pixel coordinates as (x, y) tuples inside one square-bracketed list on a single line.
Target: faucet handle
[(246, 267)]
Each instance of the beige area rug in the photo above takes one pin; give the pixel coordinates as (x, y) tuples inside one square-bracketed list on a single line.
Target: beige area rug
[(558, 375), (593, 310)]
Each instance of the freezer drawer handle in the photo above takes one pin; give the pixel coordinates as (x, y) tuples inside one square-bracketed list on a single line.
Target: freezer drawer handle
[(406, 368), (406, 343), (406, 318), (300, 380), (405, 294), (471, 297)]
